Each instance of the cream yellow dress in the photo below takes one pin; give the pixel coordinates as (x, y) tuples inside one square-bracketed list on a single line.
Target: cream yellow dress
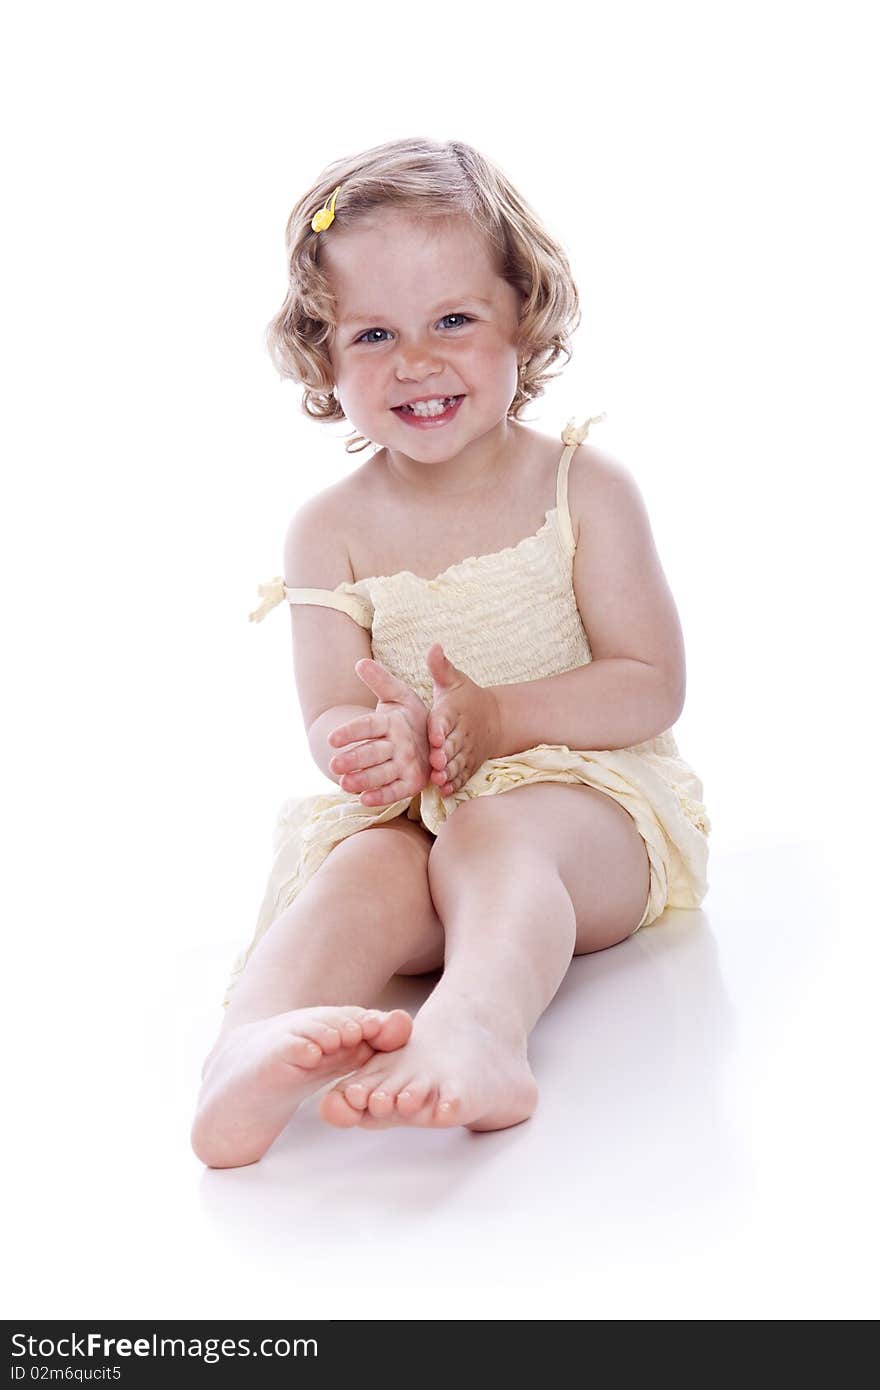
[(502, 618)]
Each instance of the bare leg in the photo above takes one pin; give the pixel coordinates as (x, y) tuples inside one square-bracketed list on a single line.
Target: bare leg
[(366, 914), (511, 879)]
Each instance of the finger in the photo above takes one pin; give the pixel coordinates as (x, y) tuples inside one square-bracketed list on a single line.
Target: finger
[(365, 726), (384, 796), (369, 778), (443, 777), (451, 785), (351, 748), (458, 770), (360, 755), (437, 759), (380, 680)]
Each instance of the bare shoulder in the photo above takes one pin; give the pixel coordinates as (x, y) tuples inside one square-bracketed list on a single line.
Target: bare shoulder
[(602, 491), (315, 550), (319, 536)]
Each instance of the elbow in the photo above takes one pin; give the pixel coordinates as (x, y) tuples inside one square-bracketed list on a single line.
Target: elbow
[(677, 693), (669, 692)]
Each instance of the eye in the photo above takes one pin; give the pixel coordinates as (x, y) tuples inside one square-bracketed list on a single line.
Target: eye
[(365, 337)]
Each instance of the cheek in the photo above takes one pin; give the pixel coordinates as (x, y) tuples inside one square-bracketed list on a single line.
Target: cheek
[(495, 365), (358, 378), (494, 355)]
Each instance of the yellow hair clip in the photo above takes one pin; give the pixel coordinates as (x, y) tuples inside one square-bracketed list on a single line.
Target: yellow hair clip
[(324, 216)]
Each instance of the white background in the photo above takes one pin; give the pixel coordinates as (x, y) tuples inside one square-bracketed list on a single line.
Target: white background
[(704, 1145)]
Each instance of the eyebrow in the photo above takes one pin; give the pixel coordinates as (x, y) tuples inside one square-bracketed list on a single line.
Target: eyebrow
[(450, 299)]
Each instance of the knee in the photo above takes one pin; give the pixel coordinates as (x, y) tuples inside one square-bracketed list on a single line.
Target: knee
[(380, 849), (493, 862), (378, 868)]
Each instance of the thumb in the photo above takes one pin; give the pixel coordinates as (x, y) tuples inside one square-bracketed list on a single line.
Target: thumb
[(380, 680), (441, 669)]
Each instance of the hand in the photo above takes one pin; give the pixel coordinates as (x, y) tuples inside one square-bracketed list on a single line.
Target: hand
[(392, 760), (463, 724)]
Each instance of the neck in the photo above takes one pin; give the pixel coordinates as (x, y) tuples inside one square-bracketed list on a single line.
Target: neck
[(478, 468)]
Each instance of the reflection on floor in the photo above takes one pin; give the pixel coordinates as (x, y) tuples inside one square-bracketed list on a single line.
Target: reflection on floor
[(699, 1147)]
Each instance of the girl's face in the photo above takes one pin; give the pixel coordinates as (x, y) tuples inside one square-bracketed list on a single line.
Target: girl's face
[(421, 312)]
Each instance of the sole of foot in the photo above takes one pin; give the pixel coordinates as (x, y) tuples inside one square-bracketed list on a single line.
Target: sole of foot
[(260, 1073)]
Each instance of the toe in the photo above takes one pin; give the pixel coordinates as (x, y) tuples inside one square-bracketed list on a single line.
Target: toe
[(345, 1021), (327, 1038), (302, 1051), (394, 1032), (350, 1031), (412, 1098), (449, 1103), (369, 1121), (381, 1102), (356, 1093), (371, 1023), (425, 1116), (334, 1108)]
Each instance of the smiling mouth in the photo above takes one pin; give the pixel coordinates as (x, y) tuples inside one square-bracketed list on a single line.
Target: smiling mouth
[(425, 411)]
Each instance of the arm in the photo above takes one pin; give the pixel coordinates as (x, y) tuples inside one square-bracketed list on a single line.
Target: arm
[(634, 687), (613, 702), (378, 722), (326, 642)]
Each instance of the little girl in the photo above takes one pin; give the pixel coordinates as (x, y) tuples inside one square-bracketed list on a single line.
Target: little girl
[(473, 614)]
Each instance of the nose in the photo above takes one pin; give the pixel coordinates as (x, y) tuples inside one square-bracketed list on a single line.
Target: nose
[(417, 362)]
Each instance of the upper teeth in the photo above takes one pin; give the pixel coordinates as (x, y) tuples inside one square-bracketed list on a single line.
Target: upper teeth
[(435, 407)]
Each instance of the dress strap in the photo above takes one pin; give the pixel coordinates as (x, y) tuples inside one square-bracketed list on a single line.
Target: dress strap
[(572, 436), (275, 591)]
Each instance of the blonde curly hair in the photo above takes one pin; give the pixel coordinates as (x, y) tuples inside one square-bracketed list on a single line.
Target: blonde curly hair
[(431, 178)]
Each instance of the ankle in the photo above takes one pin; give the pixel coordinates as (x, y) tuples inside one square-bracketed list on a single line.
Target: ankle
[(458, 1001)]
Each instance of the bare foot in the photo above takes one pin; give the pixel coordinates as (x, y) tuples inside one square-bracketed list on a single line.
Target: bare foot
[(455, 1070), (261, 1072)]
